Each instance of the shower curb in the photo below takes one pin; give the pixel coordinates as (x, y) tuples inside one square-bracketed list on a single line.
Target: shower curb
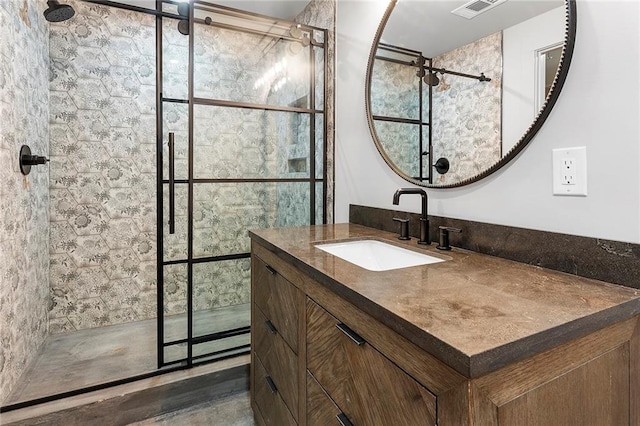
[(140, 400)]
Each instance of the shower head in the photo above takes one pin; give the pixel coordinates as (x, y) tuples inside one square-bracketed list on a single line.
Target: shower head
[(58, 12), (432, 79)]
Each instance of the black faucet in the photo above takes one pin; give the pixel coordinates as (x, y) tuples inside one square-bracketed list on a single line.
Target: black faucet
[(424, 220)]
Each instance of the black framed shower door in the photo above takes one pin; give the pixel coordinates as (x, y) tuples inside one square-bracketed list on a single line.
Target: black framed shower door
[(241, 129)]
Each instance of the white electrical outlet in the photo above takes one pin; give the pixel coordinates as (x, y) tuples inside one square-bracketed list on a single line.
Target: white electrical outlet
[(570, 171)]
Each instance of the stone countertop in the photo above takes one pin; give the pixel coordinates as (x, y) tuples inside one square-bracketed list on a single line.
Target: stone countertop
[(474, 312)]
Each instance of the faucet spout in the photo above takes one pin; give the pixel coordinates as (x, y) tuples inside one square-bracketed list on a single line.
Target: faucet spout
[(424, 220), (419, 191)]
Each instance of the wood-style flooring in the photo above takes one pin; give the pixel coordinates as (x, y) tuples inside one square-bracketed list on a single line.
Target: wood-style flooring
[(231, 411)]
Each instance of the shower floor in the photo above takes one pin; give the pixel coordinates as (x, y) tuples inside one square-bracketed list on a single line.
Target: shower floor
[(90, 357)]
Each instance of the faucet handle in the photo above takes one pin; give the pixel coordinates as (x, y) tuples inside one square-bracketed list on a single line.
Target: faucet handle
[(444, 237), (404, 228)]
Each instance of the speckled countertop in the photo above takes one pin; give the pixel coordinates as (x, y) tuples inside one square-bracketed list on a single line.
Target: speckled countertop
[(474, 312)]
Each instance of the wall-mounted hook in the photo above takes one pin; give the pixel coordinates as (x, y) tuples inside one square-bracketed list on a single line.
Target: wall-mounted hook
[(27, 160)]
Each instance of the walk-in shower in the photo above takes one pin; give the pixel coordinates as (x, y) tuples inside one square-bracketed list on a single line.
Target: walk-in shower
[(173, 131)]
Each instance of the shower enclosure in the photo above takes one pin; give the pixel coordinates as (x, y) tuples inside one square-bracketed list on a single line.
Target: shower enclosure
[(173, 131)]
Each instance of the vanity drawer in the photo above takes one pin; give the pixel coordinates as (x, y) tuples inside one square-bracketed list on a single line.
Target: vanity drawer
[(267, 396), (365, 385), (278, 360), (277, 298)]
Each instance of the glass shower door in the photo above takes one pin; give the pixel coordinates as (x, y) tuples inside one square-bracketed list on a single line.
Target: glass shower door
[(246, 152)]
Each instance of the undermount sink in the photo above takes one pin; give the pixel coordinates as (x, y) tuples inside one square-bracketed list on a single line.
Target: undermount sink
[(376, 255)]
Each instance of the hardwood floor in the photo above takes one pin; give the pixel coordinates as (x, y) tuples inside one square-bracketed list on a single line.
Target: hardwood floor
[(231, 411)]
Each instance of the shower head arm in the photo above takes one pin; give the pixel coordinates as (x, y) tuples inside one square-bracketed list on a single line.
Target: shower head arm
[(480, 77)]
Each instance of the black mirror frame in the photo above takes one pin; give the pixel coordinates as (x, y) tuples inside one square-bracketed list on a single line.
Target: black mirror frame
[(556, 88)]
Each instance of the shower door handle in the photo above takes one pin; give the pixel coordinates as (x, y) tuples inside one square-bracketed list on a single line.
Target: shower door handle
[(172, 190)]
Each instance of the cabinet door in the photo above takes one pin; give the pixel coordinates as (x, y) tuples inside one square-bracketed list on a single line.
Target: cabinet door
[(366, 386), (277, 298)]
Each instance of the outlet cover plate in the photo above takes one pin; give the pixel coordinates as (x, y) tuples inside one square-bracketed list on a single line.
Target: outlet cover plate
[(570, 171)]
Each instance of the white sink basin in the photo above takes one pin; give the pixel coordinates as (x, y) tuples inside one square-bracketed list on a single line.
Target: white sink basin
[(376, 255)]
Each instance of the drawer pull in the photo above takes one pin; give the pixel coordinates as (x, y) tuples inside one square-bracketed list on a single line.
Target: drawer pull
[(272, 328), (270, 269), (344, 420), (271, 385), (357, 339)]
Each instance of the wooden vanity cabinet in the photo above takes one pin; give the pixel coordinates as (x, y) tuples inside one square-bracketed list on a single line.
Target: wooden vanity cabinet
[(367, 374)]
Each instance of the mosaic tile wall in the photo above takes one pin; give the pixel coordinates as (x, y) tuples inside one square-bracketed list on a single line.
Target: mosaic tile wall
[(467, 114), (103, 186), (24, 220), (102, 182)]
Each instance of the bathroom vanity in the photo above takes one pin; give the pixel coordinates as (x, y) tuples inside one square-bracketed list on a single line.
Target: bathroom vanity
[(471, 340)]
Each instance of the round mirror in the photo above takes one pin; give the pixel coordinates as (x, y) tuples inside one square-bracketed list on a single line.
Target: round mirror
[(464, 83)]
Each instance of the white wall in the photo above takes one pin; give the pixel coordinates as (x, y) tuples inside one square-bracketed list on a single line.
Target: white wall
[(598, 108), (519, 45)]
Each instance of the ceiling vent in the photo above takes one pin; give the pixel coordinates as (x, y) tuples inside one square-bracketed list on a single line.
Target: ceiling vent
[(476, 7)]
